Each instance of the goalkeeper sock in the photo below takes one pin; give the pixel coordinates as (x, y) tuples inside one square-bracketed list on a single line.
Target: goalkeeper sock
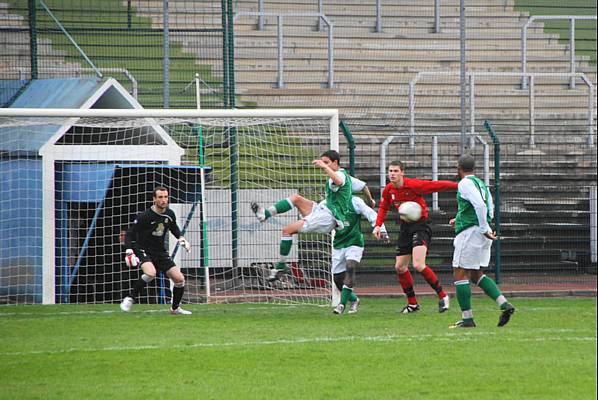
[(489, 287), (433, 281), (280, 207), (353, 296), (464, 298), (346, 294), (140, 284), (177, 294), (406, 282)]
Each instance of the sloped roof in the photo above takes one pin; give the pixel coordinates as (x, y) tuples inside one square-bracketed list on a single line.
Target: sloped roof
[(57, 93), (45, 93)]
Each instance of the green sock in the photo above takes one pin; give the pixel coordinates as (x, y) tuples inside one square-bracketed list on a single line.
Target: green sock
[(346, 294), (285, 248), (353, 296), (281, 206), (491, 289), (464, 297)]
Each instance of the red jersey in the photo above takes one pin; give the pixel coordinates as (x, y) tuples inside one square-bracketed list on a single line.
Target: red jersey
[(412, 190)]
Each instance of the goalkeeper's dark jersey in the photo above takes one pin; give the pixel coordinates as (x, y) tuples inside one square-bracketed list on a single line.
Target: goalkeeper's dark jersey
[(149, 230)]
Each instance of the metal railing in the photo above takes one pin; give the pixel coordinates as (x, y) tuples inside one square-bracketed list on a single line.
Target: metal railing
[(571, 19), (383, 161), (280, 40), (24, 74), (378, 28), (531, 95)]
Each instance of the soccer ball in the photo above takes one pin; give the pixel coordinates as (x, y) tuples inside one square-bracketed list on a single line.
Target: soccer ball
[(410, 211)]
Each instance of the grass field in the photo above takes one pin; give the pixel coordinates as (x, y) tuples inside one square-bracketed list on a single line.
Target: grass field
[(547, 351)]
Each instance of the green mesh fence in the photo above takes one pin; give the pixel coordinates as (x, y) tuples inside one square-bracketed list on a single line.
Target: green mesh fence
[(122, 39)]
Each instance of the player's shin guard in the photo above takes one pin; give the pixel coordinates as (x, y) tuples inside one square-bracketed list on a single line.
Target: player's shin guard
[(433, 281), (140, 284), (177, 294), (406, 282), (491, 289), (464, 298), (279, 207)]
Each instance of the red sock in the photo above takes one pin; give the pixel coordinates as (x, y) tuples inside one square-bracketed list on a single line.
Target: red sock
[(406, 282), (433, 281)]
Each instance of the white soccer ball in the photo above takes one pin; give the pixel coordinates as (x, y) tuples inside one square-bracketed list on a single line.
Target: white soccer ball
[(410, 211)]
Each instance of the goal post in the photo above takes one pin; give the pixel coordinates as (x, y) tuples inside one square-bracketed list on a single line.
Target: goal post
[(74, 180)]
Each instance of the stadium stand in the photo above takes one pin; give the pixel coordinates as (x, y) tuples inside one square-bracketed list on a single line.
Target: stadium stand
[(544, 186)]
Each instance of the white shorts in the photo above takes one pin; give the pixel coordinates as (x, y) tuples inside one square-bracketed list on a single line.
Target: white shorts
[(320, 220), (340, 257), (472, 249)]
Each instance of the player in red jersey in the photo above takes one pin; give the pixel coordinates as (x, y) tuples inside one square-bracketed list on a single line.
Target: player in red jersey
[(414, 237)]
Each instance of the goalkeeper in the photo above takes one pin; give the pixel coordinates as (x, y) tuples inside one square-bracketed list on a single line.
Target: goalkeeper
[(324, 217), (348, 245), (144, 242)]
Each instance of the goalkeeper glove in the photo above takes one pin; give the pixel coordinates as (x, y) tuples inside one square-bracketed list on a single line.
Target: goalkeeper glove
[(131, 259), (184, 243)]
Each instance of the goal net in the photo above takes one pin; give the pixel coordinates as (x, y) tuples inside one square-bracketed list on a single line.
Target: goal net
[(74, 180)]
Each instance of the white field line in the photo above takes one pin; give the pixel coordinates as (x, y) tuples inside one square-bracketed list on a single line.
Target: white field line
[(207, 308), (164, 310), (449, 337)]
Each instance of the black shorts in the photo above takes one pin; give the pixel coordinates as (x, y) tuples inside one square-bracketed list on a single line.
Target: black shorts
[(161, 260), (412, 235)]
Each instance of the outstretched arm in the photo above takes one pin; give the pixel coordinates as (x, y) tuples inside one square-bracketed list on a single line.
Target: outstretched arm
[(362, 208), (427, 187)]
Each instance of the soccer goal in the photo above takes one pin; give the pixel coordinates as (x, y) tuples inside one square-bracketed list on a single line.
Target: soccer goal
[(73, 181)]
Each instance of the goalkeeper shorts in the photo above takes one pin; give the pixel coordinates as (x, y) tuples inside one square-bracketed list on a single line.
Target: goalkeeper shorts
[(161, 260)]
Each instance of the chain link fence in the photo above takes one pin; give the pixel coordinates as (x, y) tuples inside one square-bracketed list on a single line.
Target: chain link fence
[(546, 196), (395, 77), (123, 39)]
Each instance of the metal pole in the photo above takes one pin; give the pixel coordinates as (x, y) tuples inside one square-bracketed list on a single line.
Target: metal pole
[(197, 92), (412, 112), (532, 112), (471, 111), (524, 54), (590, 113), (437, 16), (462, 74), (232, 99), (593, 224), (33, 37), (572, 51), (330, 55), (165, 56), (378, 16), (383, 151), (260, 18), (321, 12), (435, 171), (129, 12), (280, 81), (497, 228)]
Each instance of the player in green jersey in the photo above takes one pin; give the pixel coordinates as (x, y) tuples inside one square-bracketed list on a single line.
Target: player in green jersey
[(472, 244), (347, 250), (323, 217)]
